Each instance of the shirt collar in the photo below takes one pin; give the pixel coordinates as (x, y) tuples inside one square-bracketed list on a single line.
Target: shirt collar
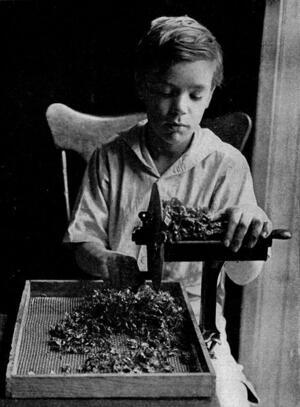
[(204, 143), (135, 139)]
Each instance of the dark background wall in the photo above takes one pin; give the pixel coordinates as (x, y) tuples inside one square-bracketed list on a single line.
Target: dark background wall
[(55, 51)]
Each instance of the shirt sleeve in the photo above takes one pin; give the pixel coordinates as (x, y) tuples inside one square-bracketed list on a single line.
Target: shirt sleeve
[(235, 186), (90, 214)]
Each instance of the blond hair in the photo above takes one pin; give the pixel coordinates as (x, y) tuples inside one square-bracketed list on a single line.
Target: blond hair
[(175, 39)]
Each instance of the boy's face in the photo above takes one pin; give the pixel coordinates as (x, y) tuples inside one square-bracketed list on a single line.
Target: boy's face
[(176, 100)]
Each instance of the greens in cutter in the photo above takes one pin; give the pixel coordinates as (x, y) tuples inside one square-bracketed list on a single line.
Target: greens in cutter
[(185, 223)]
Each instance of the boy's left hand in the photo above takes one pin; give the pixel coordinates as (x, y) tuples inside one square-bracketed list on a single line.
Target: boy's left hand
[(246, 223)]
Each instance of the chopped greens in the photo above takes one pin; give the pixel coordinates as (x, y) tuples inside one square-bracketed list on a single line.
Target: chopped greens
[(150, 323), (185, 223)]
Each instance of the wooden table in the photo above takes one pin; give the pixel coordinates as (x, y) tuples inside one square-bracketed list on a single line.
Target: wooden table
[(108, 403), (5, 336)]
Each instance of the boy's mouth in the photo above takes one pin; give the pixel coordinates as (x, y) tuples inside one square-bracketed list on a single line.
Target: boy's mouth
[(176, 125)]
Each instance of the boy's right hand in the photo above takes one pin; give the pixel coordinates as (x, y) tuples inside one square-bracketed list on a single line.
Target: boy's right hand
[(121, 270)]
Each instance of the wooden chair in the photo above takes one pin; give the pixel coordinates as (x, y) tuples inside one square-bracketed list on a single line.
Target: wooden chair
[(75, 131), (82, 133)]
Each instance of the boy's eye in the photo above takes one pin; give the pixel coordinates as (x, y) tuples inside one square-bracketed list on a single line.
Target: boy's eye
[(164, 91), (168, 91), (160, 89), (196, 96)]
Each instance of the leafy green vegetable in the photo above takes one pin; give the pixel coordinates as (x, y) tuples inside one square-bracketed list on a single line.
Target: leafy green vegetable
[(185, 223), (151, 322)]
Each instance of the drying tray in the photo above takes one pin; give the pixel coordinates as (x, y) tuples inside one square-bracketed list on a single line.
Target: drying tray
[(35, 372)]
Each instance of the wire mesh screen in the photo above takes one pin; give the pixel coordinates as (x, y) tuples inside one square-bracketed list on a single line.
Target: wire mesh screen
[(35, 356)]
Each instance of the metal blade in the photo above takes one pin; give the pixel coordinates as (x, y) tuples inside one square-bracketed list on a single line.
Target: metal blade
[(155, 246)]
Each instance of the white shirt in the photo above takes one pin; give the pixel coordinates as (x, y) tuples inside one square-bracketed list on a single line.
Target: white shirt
[(117, 186)]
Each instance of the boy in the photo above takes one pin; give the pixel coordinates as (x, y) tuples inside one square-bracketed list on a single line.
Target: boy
[(178, 66)]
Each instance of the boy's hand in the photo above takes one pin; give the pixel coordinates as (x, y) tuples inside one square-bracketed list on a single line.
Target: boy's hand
[(121, 270), (246, 223)]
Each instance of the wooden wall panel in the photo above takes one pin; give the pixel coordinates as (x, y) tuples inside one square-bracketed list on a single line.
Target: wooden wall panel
[(270, 333)]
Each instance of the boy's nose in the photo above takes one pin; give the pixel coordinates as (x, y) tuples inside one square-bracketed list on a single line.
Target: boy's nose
[(180, 104)]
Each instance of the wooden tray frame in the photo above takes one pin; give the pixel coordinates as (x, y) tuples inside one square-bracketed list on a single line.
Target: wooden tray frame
[(109, 385)]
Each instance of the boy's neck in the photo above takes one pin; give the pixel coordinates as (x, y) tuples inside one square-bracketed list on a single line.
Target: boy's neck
[(163, 154)]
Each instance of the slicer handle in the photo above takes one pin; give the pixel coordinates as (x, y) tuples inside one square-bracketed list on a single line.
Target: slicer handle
[(281, 234)]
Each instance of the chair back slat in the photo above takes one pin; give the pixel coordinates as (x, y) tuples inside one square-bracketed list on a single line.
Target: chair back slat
[(80, 132), (233, 128)]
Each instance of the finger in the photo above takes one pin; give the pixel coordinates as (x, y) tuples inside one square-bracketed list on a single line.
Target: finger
[(130, 274), (240, 232), (267, 228), (136, 280), (114, 277), (104, 272), (254, 232), (128, 277), (233, 221), (113, 266)]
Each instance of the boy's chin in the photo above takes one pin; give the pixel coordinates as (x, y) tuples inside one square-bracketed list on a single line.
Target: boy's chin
[(177, 138), (185, 133)]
